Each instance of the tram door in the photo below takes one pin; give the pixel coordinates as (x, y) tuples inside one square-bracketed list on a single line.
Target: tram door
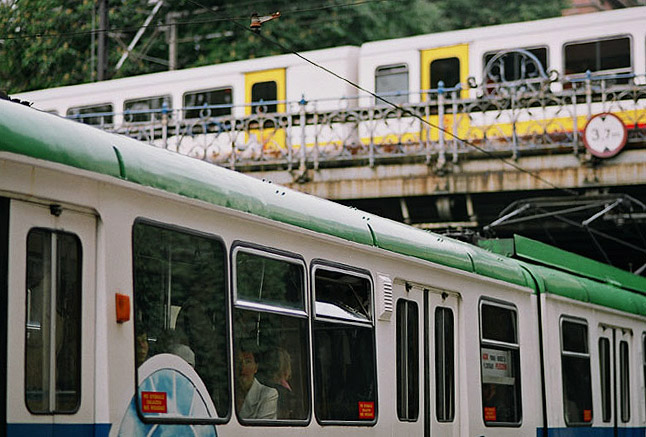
[(615, 355), (51, 277)]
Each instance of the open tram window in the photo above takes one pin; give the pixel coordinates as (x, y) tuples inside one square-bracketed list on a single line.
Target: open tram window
[(180, 323), (270, 337), (96, 115), (391, 83), (53, 322), (624, 381), (407, 360), (606, 378), (264, 92), (575, 369), (446, 70), (345, 380), (601, 57), (208, 103), (500, 364), (444, 367), (146, 109)]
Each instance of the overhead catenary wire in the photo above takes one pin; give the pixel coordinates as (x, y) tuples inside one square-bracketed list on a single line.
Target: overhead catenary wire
[(398, 107)]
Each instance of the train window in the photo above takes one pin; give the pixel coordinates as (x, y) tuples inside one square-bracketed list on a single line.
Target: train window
[(575, 368), (444, 370), (264, 92), (514, 65), (606, 56), (208, 103), (624, 381), (500, 364), (407, 360), (391, 83), (446, 70), (96, 115), (148, 109), (53, 327), (180, 323), (270, 337), (606, 379), (345, 380)]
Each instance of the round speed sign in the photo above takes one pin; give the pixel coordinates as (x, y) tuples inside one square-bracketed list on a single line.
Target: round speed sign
[(605, 135)]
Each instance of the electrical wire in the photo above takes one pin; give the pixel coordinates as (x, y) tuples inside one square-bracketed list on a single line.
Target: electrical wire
[(404, 110)]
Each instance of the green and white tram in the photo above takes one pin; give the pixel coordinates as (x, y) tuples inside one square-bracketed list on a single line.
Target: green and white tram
[(147, 293)]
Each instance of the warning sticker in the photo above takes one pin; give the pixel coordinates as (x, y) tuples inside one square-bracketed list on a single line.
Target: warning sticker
[(587, 415), (153, 402), (490, 414), (366, 410)]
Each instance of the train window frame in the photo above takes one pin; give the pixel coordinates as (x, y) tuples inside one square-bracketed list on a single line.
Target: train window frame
[(334, 267), (493, 53), (227, 315), (407, 367), (54, 283), (444, 393), (240, 304), (605, 379), (445, 60), (78, 117), (606, 72), (227, 107), (398, 97), (260, 87), (152, 114), (510, 347), (575, 354), (624, 381)]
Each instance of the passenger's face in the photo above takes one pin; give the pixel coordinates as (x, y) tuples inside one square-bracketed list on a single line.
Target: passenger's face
[(246, 368), (142, 348)]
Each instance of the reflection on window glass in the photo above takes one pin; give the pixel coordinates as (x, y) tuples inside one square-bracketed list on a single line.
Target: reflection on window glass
[(195, 102), (607, 55), (97, 115), (444, 371), (500, 365), (446, 70), (604, 370), (513, 65), (407, 360), (150, 108), (344, 351), (391, 82), (53, 328), (270, 338), (180, 305), (624, 381), (575, 367), (264, 92)]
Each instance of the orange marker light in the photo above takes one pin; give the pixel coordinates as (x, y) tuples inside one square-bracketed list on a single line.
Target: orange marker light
[(123, 308)]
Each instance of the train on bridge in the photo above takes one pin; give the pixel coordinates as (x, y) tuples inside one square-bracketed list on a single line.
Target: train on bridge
[(512, 88), (145, 293)]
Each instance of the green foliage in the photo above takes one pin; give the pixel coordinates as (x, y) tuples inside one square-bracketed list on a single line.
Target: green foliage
[(219, 35)]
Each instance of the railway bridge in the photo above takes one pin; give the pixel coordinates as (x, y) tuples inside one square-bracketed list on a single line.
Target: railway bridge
[(559, 161)]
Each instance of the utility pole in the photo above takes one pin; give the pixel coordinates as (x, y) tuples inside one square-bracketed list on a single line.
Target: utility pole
[(102, 57), (171, 36)]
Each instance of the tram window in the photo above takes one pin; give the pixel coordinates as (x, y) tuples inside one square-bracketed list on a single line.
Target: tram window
[(270, 338), (264, 92), (391, 83), (500, 365), (575, 367), (407, 361), (606, 381), (513, 65), (97, 115), (444, 369), (195, 102), (180, 309), (607, 56), (446, 70), (148, 109), (345, 380), (53, 328), (624, 378)]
